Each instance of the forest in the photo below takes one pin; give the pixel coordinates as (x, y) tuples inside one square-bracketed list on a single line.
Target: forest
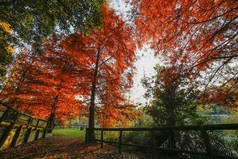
[(71, 63)]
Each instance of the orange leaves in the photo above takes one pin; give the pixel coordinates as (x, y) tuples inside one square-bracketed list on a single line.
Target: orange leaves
[(199, 36), (117, 115), (113, 46), (50, 82), (174, 25), (225, 95)]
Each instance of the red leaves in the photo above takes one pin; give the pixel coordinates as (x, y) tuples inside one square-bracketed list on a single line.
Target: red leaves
[(197, 36), (174, 25), (46, 83), (115, 46), (50, 83)]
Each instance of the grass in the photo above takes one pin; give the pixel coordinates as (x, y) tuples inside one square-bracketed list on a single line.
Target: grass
[(107, 135), (76, 133), (70, 133)]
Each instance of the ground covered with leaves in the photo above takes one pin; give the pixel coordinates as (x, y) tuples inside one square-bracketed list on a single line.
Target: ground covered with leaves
[(61, 147)]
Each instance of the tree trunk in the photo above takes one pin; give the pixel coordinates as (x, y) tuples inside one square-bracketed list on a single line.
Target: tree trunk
[(172, 122), (50, 124), (51, 120), (91, 135)]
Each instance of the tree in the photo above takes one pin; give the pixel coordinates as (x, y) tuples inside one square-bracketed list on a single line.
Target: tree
[(96, 66), (200, 36), (108, 54), (119, 116), (225, 96), (16, 78), (6, 51), (172, 104), (32, 21), (46, 85)]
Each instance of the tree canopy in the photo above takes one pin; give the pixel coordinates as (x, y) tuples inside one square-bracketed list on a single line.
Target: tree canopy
[(82, 69), (31, 22), (79, 56), (171, 103), (45, 85), (198, 36), (108, 53)]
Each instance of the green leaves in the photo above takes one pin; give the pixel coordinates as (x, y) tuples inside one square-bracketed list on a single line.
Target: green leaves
[(32, 21), (171, 103)]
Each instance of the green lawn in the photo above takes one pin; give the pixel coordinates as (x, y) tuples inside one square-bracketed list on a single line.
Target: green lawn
[(76, 133), (70, 132)]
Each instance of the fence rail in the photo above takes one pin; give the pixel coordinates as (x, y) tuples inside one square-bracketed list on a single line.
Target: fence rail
[(201, 129), (17, 128)]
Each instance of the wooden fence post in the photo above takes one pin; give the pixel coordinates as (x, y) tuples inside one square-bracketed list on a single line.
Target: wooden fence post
[(153, 144), (8, 130), (37, 123), (10, 115), (5, 134), (28, 132), (120, 141), (86, 136), (45, 130), (37, 131), (37, 134), (206, 141), (171, 140), (16, 135), (101, 138), (4, 116)]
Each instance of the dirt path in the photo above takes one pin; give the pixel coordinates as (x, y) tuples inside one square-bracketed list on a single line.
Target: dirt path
[(58, 147)]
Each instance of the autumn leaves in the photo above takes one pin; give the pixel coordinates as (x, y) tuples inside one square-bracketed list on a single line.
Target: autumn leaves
[(89, 72), (199, 38), (93, 69)]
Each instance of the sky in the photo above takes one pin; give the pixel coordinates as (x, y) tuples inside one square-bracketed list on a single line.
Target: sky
[(144, 67), (144, 64)]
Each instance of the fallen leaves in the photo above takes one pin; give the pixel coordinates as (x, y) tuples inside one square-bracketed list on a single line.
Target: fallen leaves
[(57, 147)]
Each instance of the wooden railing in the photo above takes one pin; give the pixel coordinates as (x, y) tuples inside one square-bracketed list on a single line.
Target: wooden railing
[(201, 129), (17, 128)]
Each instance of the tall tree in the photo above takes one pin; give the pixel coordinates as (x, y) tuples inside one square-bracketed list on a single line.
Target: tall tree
[(6, 51), (32, 21), (172, 103), (198, 35), (108, 53), (47, 85)]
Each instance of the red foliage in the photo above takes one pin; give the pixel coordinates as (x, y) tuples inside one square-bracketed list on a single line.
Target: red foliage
[(113, 46), (45, 84), (199, 36), (48, 84)]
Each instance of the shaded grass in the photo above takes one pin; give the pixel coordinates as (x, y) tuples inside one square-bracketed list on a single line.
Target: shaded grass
[(70, 133), (76, 133), (108, 135)]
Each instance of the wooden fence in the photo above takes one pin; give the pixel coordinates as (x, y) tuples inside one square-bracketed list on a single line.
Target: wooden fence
[(17, 128), (203, 130)]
